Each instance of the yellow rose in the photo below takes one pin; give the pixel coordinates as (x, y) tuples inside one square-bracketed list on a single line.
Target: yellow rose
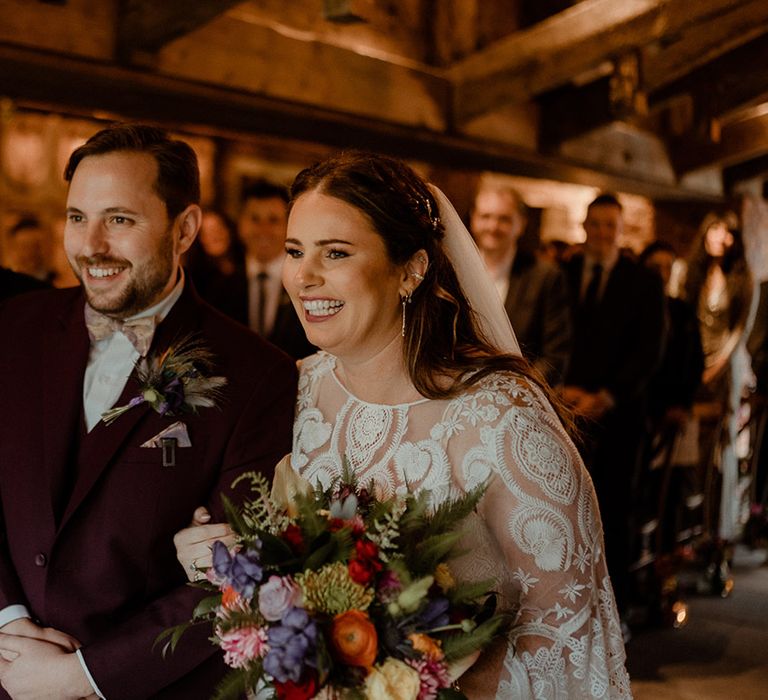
[(287, 484), (393, 680)]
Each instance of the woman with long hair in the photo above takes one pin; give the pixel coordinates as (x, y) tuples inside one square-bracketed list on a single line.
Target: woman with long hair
[(719, 286), (420, 385)]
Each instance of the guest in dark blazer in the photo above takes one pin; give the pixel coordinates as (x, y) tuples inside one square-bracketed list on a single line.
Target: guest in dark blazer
[(254, 294), (619, 325), (535, 292), (88, 510), (678, 377), (13, 283)]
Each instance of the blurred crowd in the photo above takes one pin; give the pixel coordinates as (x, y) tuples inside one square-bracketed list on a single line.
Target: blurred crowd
[(660, 356)]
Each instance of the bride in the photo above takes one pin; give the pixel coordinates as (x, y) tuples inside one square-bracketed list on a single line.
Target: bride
[(420, 384)]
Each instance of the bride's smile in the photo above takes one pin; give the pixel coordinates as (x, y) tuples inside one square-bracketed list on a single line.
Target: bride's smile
[(340, 278)]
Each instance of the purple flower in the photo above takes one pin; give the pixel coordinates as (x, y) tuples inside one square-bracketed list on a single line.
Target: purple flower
[(276, 596), (240, 570), (292, 646), (435, 614), (173, 397)]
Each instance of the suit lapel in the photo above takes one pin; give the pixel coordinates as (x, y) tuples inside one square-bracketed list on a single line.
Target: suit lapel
[(105, 441), (65, 356)]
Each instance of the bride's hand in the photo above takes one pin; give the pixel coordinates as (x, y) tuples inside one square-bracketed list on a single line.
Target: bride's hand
[(194, 543)]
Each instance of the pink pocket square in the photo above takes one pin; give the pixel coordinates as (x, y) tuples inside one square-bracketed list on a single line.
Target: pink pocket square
[(177, 431)]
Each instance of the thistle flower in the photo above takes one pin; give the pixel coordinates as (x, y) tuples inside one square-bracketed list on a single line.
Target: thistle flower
[(331, 590)]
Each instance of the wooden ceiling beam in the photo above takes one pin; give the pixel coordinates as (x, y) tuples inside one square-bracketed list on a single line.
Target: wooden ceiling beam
[(748, 170), (727, 83), (739, 141), (106, 91), (555, 51), (732, 81), (677, 55), (145, 26)]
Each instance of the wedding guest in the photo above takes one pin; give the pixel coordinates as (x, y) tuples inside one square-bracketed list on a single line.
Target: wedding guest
[(88, 509), (420, 385), (216, 264), (619, 317), (671, 392), (555, 251), (719, 285), (27, 249), (757, 345), (535, 292), (266, 307), (674, 385)]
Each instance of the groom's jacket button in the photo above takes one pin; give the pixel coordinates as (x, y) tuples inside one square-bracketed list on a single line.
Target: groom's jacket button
[(40, 559)]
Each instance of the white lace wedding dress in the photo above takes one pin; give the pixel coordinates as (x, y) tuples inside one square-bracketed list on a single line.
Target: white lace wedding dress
[(537, 530)]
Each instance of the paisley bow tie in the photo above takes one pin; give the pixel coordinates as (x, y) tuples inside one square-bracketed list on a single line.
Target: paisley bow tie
[(138, 330)]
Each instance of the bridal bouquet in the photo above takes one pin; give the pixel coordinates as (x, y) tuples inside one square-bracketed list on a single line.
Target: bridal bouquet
[(335, 594)]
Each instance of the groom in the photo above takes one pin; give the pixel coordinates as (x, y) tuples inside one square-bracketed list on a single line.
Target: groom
[(88, 510)]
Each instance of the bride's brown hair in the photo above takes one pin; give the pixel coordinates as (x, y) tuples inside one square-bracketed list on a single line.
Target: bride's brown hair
[(444, 349)]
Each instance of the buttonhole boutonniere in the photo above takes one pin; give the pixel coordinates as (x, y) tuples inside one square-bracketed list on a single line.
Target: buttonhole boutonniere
[(175, 381)]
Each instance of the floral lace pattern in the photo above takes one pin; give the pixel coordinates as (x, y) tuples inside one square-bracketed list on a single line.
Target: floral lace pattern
[(537, 530)]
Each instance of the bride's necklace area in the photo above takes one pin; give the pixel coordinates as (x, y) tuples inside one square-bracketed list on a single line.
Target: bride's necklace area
[(379, 387)]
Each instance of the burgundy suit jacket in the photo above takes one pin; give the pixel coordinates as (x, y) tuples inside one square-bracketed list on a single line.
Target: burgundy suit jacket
[(86, 544)]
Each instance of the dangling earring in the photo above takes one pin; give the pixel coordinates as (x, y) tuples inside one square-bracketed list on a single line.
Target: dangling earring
[(406, 300)]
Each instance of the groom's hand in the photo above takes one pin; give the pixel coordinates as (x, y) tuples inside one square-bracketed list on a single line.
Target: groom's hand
[(24, 627), (32, 669)]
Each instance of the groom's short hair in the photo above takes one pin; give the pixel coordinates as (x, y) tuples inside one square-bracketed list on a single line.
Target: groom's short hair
[(178, 177)]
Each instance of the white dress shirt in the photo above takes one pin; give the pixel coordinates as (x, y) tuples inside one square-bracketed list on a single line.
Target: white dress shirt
[(273, 288), (500, 272), (112, 360)]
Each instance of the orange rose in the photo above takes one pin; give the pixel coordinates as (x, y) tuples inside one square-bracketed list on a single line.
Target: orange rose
[(426, 645), (353, 639)]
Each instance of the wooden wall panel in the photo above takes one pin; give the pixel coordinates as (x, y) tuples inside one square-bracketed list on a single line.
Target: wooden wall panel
[(79, 27)]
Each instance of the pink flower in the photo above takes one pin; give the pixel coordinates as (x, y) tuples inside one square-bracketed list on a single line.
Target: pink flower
[(243, 645), (433, 676), (277, 595)]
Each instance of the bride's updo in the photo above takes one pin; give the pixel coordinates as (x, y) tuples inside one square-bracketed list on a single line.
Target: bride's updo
[(444, 348)]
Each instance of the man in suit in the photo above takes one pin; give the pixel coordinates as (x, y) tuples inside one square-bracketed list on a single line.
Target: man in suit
[(88, 510), (255, 295), (535, 292), (619, 324)]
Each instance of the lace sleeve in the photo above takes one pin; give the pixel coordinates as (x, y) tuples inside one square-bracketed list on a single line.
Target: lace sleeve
[(541, 510)]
